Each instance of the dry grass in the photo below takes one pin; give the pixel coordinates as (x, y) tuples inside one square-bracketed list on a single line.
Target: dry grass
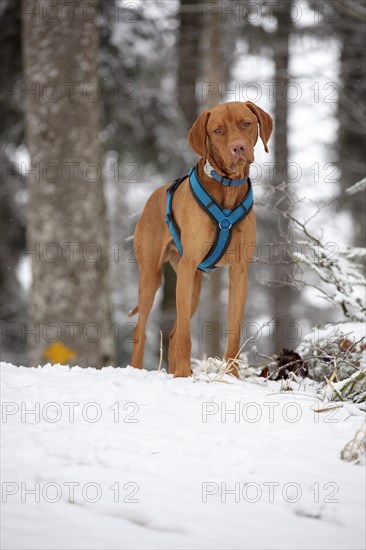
[(355, 450), (214, 369), (351, 389)]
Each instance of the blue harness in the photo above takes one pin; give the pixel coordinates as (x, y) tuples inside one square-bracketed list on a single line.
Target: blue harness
[(224, 218)]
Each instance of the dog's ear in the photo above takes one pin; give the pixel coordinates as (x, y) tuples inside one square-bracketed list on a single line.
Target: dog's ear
[(264, 121), (198, 134)]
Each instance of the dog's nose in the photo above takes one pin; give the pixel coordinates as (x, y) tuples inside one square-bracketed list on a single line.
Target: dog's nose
[(237, 148)]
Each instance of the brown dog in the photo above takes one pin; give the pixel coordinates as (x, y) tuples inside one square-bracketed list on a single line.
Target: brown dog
[(225, 136)]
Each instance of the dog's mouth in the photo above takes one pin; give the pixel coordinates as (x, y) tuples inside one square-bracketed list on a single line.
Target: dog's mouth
[(234, 168), (238, 166), (239, 163)]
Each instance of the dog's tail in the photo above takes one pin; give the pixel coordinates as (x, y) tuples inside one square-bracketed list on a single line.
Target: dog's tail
[(133, 311)]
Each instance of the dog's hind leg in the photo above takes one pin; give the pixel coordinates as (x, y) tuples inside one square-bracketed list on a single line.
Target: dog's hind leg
[(148, 253), (148, 286)]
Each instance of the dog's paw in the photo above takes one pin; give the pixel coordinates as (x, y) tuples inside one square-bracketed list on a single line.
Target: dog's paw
[(182, 372)]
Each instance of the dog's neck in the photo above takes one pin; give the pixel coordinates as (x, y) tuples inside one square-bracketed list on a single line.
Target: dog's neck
[(227, 197), (224, 178)]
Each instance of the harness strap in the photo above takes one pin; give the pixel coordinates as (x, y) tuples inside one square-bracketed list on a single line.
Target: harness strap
[(169, 219), (224, 218)]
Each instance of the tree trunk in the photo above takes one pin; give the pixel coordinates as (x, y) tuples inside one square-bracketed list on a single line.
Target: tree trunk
[(69, 316), (284, 296), (351, 114), (217, 74), (188, 46), (12, 210)]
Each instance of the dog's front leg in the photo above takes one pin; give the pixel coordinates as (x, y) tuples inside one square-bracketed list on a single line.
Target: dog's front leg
[(185, 282), (238, 284)]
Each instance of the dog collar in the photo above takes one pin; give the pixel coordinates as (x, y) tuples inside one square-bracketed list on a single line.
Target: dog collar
[(226, 182)]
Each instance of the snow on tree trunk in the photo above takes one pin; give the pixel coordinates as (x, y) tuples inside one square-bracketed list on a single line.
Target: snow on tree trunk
[(67, 230)]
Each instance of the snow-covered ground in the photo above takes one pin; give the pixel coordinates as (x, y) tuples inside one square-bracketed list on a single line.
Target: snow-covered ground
[(173, 463)]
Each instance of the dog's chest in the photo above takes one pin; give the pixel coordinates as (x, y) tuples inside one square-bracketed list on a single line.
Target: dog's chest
[(229, 197)]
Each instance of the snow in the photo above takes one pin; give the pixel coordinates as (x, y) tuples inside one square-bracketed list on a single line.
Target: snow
[(169, 445), (321, 335)]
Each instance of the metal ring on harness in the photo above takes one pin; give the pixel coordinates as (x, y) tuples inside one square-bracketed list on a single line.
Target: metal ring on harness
[(225, 224)]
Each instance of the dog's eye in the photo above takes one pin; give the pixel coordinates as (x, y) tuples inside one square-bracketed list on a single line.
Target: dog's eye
[(246, 124), (218, 131)]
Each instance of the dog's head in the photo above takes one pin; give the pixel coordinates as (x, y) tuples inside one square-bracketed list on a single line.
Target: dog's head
[(226, 135)]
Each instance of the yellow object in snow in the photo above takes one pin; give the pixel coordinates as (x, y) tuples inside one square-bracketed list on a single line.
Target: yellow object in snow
[(58, 353)]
